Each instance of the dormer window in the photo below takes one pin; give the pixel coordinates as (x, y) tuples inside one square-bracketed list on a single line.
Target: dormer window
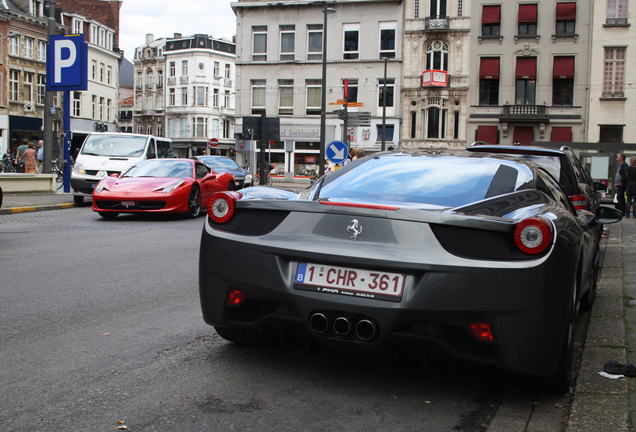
[(36, 8), (78, 26)]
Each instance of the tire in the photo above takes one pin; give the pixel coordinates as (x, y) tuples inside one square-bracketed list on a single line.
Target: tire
[(194, 202), (108, 215), (240, 336), (231, 186), (78, 199), (588, 299), (270, 181)]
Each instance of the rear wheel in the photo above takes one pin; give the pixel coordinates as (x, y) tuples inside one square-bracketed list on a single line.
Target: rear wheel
[(194, 202), (270, 181), (240, 336), (109, 215), (588, 300), (78, 199), (560, 381), (231, 186)]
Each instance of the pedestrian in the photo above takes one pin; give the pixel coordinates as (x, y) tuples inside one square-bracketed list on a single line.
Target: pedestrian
[(39, 157), (19, 153), (352, 153), (631, 187), (29, 159), (359, 153), (516, 143), (620, 182)]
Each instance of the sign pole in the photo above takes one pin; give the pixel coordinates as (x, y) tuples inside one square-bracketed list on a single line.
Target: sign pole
[(47, 126), (67, 141)]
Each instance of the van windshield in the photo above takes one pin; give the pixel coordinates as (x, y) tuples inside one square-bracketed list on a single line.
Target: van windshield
[(119, 145)]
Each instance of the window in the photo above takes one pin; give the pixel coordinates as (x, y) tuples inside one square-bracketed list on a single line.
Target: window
[(102, 37), (77, 104), (287, 37), (172, 69), (314, 42), (159, 101), (184, 67), (438, 9), (200, 126), (227, 71), (101, 72), (437, 56), (109, 41), (14, 85), (94, 73), (139, 128), (171, 98), (28, 47), (41, 50), (140, 81), (387, 39), (14, 45), (41, 89), (184, 127), (201, 93), (94, 102), (101, 108), (226, 99), (184, 95), (565, 18), (109, 75), (563, 81), (456, 126), (159, 78), (159, 129), (611, 134), (149, 104), (216, 69), (36, 8), (258, 96), (78, 26), (215, 97), (490, 20), (527, 20), (314, 92), (226, 128), (215, 128), (285, 97), (413, 124), (614, 72), (108, 102), (352, 93), (351, 43), (561, 134), (526, 80), (460, 8), (616, 12), (390, 85), (149, 128), (27, 87), (171, 127), (436, 115), (149, 80), (388, 132), (489, 134), (489, 81), (259, 49), (416, 9), (93, 33)]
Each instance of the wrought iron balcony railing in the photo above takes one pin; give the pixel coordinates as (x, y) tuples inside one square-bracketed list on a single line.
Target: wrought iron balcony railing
[(432, 23)]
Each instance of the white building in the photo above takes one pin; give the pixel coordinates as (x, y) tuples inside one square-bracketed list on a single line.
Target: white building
[(279, 72), (149, 85), (200, 93)]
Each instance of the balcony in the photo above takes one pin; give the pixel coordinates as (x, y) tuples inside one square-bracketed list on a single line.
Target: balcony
[(148, 86), (183, 79), (139, 87), (227, 82), (436, 23), (172, 80), (524, 114)]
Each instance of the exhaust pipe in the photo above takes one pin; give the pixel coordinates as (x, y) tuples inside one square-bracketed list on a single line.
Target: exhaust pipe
[(319, 322), (365, 330), (342, 326)]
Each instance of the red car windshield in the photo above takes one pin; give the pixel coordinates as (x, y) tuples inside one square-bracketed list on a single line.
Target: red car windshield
[(161, 168)]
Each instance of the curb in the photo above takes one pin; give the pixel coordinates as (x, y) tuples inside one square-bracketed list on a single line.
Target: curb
[(25, 209)]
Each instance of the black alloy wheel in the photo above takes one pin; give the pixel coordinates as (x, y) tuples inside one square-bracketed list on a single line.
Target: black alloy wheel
[(231, 186), (194, 202)]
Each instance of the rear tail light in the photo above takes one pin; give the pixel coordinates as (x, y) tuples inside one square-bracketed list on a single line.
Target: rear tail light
[(533, 235), (579, 201), (235, 298), (221, 206), (481, 331)]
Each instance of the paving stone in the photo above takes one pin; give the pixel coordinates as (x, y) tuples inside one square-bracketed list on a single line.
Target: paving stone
[(592, 362), (599, 413), (604, 332)]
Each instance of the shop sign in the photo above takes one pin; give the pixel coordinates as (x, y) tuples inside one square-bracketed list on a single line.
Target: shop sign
[(300, 133), (310, 159)]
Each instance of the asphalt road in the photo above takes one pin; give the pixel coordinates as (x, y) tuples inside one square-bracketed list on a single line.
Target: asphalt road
[(100, 323)]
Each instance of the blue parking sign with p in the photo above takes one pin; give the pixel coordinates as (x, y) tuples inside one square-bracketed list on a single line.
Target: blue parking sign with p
[(67, 63)]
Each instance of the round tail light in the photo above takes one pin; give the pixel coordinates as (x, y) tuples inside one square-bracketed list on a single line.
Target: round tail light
[(533, 235), (221, 206)]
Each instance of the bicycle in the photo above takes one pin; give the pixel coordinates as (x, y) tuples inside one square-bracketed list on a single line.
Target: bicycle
[(57, 167), (7, 166), (268, 180)]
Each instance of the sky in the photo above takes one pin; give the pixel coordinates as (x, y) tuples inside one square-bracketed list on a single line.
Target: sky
[(163, 18)]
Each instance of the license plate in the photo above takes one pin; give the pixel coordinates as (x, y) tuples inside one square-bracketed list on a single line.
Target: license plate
[(348, 281), (128, 203)]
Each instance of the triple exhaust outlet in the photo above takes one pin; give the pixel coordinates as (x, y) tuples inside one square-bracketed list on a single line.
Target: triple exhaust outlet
[(364, 329)]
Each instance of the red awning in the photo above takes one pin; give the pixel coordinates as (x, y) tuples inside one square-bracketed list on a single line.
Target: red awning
[(491, 14), (487, 134), (563, 67), (526, 67), (561, 134), (489, 68), (524, 135), (565, 11), (528, 13)]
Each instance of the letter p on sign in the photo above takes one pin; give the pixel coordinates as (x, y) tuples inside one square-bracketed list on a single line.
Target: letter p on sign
[(63, 62)]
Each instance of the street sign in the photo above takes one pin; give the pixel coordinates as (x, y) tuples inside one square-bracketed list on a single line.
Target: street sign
[(337, 151), (214, 142), (67, 65)]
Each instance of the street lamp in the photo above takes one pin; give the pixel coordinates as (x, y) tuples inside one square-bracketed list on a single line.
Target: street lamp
[(10, 35), (323, 102)]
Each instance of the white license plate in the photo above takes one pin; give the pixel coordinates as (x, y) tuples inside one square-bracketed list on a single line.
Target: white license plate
[(349, 281), (128, 203)]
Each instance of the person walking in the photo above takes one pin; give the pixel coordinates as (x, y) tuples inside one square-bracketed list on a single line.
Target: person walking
[(19, 153), (29, 159), (620, 182), (39, 157), (631, 188), (352, 153)]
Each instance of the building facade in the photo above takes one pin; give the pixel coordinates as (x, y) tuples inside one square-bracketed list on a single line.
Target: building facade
[(279, 70), (435, 73), (529, 71), (149, 116), (201, 85)]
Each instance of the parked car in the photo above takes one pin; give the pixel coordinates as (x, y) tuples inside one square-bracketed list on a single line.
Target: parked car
[(224, 164), (160, 185), (482, 257)]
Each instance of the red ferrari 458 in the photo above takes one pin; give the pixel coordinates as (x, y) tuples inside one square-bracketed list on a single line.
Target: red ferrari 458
[(160, 185)]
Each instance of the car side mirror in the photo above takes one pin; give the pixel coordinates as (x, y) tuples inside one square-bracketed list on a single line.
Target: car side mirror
[(209, 177), (604, 215), (598, 186)]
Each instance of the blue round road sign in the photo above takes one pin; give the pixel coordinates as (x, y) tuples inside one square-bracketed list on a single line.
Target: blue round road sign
[(337, 151)]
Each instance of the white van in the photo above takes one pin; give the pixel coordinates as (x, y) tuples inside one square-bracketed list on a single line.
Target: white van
[(106, 153)]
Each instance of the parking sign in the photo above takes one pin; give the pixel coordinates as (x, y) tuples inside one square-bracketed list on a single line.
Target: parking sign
[(67, 63)]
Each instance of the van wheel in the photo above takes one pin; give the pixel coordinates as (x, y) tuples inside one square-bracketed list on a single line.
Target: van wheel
[(78, 199)]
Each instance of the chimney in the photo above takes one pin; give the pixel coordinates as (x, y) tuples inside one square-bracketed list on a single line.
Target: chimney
[(177, 36), (149, 38)]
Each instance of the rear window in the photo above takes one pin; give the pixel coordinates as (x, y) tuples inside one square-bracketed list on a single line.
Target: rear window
[(439, 181), (552, 164)]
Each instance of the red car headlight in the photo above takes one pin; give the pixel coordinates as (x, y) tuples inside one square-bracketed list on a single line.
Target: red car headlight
[(221, 206)]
